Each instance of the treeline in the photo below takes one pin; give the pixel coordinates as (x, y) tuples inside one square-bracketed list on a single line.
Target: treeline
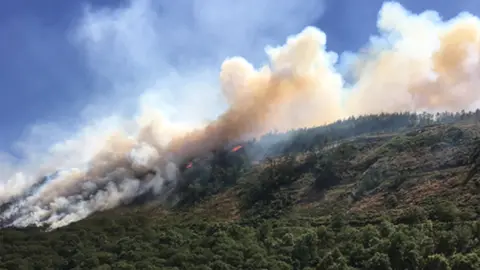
[(221, 169), (142, 242), (269, 230), (305, 139)]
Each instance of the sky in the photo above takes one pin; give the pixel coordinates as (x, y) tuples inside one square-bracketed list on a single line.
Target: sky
[(63, 64), (96, 91)]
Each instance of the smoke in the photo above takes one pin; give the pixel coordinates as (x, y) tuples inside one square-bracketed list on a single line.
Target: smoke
[(428, 65), (156, 67), (417, 62), (298, 88)]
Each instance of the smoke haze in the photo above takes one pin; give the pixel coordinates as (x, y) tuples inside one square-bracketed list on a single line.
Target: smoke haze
[(181, 108)]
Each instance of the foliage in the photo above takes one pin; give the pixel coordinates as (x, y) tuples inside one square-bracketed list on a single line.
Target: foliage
[(331, 197)]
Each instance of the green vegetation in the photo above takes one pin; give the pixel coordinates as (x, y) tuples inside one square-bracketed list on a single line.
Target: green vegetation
[(396, 191)]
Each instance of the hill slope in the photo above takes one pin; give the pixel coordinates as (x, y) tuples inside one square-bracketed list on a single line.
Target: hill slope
[(378, 192)]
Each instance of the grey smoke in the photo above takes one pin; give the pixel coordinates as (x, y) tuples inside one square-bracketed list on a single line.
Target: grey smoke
[(154, 62)]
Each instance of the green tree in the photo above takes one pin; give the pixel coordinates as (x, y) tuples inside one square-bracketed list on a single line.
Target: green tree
[(305, 249), (333, 260), (379, 261), (445, 211), (436, 262), (470, 261)]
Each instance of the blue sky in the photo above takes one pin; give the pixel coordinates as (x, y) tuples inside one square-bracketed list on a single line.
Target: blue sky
[(54, 66)]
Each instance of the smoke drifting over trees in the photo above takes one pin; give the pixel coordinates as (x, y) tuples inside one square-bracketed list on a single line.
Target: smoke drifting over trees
[(429, 65)]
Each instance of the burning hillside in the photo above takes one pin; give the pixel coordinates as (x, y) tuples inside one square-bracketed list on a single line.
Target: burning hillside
[(431, 65)]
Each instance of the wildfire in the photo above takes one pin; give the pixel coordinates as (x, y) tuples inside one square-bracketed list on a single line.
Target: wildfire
[(236, 148)]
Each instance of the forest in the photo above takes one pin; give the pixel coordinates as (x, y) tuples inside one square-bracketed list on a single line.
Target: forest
[(388, 191)]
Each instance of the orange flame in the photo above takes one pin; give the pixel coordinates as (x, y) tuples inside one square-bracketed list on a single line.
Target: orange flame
[(236, 148)]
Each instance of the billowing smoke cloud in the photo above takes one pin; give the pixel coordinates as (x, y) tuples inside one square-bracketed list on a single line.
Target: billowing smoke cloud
[(298, 88), (418, 62), (156, 66), (428, 64)]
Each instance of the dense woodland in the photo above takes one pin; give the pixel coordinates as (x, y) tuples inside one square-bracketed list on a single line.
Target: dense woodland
[(389, 191)]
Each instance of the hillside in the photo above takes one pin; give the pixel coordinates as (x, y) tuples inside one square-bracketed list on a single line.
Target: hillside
[(396, 191)]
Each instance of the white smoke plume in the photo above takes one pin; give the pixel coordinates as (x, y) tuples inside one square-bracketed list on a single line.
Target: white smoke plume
[(419, 62), (156, 66)]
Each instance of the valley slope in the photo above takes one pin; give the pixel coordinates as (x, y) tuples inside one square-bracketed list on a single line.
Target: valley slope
[(390, 191)]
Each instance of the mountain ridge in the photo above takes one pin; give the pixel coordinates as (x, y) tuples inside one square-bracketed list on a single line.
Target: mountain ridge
[(414, 177)]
